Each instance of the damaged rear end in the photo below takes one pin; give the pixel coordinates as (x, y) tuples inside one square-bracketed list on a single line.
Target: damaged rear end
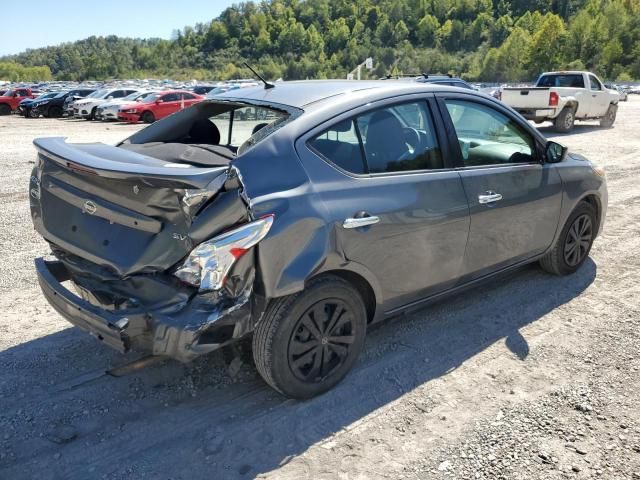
[(148, 254)]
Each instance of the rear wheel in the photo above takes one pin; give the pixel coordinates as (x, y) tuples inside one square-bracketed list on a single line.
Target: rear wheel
[(610, 117), (55, 112), (148, 117), (5, 109), (307, 342), (574, 243), (565, 121)]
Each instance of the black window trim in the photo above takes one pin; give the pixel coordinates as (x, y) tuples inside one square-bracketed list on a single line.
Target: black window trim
[(432, 109), (452, 137)]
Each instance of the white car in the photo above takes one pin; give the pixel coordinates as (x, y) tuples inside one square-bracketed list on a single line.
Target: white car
[(563, 98), (109, 110), (86, 107)]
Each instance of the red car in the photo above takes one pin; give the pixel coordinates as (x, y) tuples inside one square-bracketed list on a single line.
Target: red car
[(158, 106), (10, 99)]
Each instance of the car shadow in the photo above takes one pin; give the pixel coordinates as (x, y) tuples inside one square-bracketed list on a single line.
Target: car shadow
[(175, 421), (549, 131)]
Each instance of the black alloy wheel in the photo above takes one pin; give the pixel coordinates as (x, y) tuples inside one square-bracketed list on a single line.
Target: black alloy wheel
[(578, 240), (306, 343), (574, 243), (321, 340)]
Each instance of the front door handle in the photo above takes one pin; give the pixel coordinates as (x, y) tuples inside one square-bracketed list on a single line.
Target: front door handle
[(489, 197), (360, 222)]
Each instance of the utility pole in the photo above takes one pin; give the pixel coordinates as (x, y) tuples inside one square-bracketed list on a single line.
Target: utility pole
[(368, 64)]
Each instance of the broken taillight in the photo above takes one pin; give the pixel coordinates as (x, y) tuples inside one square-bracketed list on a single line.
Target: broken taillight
[(209, 263)]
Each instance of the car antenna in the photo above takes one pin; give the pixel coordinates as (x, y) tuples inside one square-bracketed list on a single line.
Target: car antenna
[(267, 85)]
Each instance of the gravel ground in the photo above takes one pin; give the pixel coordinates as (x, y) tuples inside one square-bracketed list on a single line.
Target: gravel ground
[(528, 377)]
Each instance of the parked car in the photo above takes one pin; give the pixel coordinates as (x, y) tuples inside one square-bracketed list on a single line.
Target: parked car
[(341, 208), (86, 107), (436, 79), (158, 106), (11, 99), (563, 98), (202, 89), (53, 107), (109, 110), (67, 106), (25, 107), (621, 91)]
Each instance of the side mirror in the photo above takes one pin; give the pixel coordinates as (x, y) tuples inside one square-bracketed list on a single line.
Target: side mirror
[(159, 101), (554, 152), (110, 97)]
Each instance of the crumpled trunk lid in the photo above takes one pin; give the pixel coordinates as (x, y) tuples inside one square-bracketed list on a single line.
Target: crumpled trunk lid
[(124, 211)]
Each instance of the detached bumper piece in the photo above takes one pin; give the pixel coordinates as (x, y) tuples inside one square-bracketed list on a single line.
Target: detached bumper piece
[(182, 330)]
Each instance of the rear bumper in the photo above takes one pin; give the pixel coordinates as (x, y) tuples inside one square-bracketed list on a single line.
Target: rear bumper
[(180, 331), (537, 114)]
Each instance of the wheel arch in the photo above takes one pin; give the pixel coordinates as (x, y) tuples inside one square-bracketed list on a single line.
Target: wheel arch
[(360, 283), (593, 200)]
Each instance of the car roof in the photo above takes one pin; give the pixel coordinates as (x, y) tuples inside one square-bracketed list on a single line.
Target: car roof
[(307, 92)]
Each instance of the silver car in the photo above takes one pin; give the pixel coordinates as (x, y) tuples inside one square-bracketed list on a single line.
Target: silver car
[(299, 214)]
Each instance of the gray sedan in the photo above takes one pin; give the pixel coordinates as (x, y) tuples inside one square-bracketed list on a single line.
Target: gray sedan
[(300, 214)]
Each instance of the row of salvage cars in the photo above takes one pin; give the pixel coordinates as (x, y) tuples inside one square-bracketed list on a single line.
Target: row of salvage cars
[(126, 104)]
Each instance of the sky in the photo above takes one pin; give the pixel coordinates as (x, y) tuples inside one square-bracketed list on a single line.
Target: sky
[(54, 22)]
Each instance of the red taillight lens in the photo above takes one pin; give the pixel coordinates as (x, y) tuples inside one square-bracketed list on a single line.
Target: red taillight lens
[(553, 99)]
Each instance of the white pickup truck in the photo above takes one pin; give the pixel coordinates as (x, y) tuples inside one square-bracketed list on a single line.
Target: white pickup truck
[(563, 98)]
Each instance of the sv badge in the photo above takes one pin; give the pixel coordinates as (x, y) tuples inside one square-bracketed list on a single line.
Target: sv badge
[(179, 236)]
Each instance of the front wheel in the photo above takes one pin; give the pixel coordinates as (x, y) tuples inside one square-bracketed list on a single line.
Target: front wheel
[(148, 117), (610, 117), (565, 121), (54, 112), (308, 342), (31, 113), (574, 243)]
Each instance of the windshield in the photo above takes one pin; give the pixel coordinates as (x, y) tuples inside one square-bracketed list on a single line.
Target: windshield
[(131, 97), (48, 95), (572, 80), (151, 98), (98, 94), (9, 93), (60, 94)]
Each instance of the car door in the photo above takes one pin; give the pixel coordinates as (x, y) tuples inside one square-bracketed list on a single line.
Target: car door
[(600, 98), (189, 99), (514, 198), (398, 206), (169, 104)]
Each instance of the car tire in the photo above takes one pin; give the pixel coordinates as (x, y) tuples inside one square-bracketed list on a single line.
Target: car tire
[(5, 109), (565, 121), (307, 342), (92, 115), (574, 243), (31, 114), (610, 117), (54, 112), (148, 117)]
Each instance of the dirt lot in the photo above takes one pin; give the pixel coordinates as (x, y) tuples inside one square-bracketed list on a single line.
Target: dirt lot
[(530, 377)]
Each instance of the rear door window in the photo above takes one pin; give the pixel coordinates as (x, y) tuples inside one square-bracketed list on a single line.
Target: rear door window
[(398, 138)]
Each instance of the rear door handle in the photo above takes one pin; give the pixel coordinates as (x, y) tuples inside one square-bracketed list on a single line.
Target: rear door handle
[(360, 222), (489, 197)]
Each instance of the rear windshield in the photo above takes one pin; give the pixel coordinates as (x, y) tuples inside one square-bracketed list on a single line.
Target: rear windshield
[(233, 126), (561, 80)]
